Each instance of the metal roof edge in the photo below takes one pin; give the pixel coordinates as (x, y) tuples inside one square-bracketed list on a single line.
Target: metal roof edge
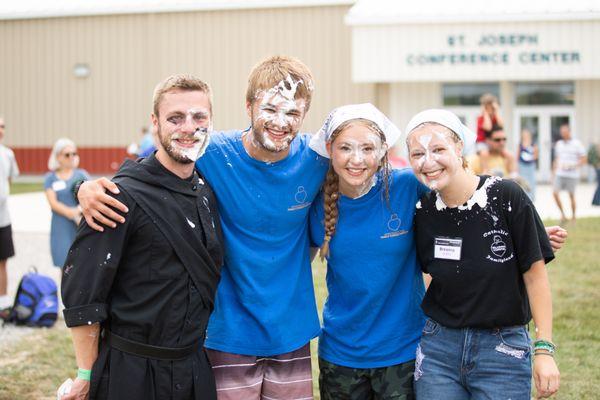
[(167, 8)]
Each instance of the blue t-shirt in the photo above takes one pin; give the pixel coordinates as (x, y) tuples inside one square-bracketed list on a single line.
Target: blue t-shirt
[(62, 229), (372, 317), (265, 303)]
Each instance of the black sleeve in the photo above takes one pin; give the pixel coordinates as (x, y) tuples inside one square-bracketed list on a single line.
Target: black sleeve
[(527, 231), (90, 268)]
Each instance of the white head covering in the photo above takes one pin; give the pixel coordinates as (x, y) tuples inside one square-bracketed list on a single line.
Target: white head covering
[(353, 111), (447, 119), (59, 145)]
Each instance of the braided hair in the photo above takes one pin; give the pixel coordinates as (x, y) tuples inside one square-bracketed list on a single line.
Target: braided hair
[(331, 193)]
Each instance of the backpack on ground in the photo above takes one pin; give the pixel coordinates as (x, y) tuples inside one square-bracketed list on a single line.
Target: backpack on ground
[(36, 301)]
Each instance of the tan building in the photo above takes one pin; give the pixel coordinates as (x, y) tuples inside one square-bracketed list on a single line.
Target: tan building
[(86, 69)]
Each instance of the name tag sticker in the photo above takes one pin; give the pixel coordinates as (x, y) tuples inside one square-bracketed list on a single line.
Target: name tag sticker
[(57, 186), (447, 248)]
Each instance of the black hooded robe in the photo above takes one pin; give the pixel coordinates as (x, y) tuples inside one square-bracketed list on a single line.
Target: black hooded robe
[(151, 280)]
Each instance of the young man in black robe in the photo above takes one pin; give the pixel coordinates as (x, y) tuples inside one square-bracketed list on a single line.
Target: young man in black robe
[(138, 297)]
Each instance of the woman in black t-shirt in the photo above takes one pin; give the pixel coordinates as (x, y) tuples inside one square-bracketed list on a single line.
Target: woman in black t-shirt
[(484, 245)]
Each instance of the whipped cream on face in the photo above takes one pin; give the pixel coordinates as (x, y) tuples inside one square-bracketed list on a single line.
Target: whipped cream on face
[(275, 112), (358, 152), (201, 139)]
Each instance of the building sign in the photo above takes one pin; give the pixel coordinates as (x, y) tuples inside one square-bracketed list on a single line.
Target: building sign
[(494, 49), (535, 50)]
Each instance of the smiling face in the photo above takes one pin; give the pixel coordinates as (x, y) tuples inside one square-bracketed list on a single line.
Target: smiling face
[(434, 155), (183, 124), (276, 117), (356, 155)]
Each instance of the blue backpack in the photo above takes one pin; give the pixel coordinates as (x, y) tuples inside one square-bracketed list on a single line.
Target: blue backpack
[(36, 302)]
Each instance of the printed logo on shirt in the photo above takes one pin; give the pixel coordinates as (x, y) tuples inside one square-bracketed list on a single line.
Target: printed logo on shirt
[(393, 226), (498, 247), (300, 196)]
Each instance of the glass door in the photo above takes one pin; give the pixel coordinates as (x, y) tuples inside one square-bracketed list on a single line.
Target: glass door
[(544, 124)]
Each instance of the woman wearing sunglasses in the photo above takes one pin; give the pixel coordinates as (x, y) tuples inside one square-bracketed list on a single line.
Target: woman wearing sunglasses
[(58, 184)]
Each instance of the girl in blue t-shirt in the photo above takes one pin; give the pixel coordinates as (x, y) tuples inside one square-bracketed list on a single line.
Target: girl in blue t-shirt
[(58, 184), (362, 223)]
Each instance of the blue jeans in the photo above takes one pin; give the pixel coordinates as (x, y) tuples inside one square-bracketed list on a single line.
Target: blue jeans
[(457, 364)]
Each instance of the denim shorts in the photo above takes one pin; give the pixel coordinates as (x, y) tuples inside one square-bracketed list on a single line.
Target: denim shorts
[(476, 364)]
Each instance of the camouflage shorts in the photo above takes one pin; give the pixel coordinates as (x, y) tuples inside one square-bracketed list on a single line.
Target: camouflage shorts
[(342, 383)]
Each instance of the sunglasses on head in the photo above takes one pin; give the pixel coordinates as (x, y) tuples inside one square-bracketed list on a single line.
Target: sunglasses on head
[(500, 139), (69, 155)]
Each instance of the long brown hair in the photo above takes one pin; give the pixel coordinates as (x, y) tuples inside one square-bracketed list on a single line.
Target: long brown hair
[(331, 193)]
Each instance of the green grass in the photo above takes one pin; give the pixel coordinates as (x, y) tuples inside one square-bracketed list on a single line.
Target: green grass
[(26, 187), (35, 367)]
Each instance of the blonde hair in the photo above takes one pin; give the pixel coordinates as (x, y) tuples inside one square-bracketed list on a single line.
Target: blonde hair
[(272, 70), (182, 82), (59, 146), (331, 192), (487, 98)]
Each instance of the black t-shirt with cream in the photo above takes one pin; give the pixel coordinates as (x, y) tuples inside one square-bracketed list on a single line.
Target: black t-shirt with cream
[(477, 254)]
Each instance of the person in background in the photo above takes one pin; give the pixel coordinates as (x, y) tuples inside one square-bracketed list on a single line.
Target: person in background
[(497, 160), (489, 118), (396, 158), (58, 185), (528, 155), (8, 171), (594, 160), (147, 145), (569, 156)]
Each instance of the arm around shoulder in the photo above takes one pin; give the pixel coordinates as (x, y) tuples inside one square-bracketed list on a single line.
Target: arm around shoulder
[(97, 206)]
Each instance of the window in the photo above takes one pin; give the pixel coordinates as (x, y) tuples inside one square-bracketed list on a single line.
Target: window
[(467, 94), (545, 93)]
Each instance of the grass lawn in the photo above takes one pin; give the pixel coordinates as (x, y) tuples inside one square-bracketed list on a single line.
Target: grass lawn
[(36, 366), (26, 187)]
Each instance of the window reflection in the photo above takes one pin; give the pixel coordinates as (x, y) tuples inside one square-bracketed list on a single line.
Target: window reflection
[(467, 94), (545, 93)]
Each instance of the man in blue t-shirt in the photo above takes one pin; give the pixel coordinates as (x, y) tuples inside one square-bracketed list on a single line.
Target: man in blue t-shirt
[(265, 179)]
